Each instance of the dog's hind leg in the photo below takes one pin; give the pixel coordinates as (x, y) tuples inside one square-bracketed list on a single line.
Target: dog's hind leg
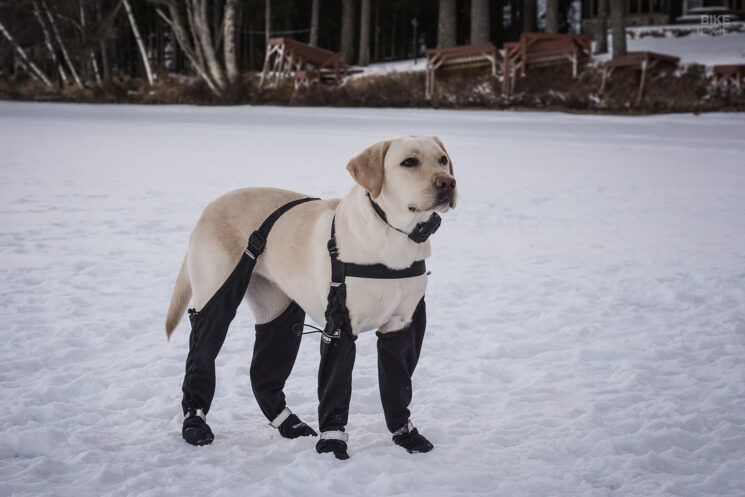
[(275, 350)]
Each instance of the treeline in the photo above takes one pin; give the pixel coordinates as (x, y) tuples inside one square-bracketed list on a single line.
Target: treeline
[(84, 43)]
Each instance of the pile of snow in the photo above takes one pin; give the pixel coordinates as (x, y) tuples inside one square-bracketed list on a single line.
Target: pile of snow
[(586, 309), (695, 48)]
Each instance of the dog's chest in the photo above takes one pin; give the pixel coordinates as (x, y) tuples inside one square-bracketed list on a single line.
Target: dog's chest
[(380, 304)]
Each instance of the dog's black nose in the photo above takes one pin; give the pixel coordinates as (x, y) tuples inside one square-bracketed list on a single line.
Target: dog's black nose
[(445, 183)]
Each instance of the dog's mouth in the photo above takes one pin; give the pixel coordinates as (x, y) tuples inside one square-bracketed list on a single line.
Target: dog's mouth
[(441, 206)]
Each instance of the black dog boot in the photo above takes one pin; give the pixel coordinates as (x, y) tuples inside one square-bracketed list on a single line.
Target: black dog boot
[(409, 438), (196, 431), (333, 441), (290, 426)]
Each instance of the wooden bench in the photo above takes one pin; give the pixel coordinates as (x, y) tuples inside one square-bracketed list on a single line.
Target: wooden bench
[(460, 57), (306, 79), (638, 61), (729, 74), (541, 49), (286, 57)]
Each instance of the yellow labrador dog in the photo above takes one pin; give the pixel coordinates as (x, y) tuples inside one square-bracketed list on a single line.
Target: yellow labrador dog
[(401, 183)]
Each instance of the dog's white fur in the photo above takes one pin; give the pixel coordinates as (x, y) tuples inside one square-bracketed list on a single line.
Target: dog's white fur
[(295, 264)]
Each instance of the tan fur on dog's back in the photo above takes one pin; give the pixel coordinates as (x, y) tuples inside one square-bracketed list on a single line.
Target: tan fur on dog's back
[(179, 300)]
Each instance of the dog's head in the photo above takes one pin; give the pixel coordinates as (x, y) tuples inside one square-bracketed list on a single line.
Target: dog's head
[(408, 174)]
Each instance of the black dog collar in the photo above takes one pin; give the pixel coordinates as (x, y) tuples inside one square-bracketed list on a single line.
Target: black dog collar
[(421, 231)]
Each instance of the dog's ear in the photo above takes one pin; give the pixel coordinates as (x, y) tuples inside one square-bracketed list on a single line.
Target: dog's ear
[(439, 142), (367, 168)]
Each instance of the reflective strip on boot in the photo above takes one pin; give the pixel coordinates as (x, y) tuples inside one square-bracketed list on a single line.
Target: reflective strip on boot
[(406, 428), (335, 435), (280, 418), (198, 412)]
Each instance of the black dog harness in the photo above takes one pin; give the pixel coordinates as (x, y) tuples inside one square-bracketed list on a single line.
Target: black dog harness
[(337, 314)]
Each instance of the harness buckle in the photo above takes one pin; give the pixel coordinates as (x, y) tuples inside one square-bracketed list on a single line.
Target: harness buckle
[(256, 244)]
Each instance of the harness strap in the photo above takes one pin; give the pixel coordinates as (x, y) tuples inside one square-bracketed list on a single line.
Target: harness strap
[(257, 240), (339, 269)]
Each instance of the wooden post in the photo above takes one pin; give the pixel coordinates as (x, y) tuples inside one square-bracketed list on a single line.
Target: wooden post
[(641, 84)]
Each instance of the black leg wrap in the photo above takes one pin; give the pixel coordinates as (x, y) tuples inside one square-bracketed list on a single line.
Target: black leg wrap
[(275, 351), (335, 380), (398, 354), (208, 329)]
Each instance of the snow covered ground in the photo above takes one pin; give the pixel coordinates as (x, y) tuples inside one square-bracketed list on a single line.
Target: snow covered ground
[(695, 48), (586, 306)]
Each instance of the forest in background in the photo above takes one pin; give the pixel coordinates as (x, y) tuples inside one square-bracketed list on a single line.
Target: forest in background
[(87, 42), (209, 52)]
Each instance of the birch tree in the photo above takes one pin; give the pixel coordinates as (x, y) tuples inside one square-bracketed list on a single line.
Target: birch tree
[(48, 41), (61, 44), (479, 21), (229, 28), (138, 39), (192, 29), (30, 67), (84, 35), (446, 24)]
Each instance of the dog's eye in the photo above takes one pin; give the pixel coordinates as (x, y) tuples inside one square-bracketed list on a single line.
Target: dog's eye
[(410, 162), (443, 160)]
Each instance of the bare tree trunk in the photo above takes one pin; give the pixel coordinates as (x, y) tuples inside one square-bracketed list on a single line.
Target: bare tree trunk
[(229, 28), (34, 70), (479, 21), (91, 53), (202, 27), (267, 21), (347, 31), (314, 22), (618, 28), (138, 39), (376, 38), (48, 42), (94, 64), (552, 16), (529, 13), (57, 36), (363, 58), (446, 24), (189, 49), (102, 45), (601, 27)]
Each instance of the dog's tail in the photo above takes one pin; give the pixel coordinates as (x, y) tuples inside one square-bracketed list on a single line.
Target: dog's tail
[(179, 300)]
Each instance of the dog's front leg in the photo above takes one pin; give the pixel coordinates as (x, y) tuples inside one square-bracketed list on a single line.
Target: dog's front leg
[(398, 354), (335, 391)]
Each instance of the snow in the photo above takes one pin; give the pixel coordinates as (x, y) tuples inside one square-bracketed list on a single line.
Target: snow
[(586, 327), (694, 48)]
